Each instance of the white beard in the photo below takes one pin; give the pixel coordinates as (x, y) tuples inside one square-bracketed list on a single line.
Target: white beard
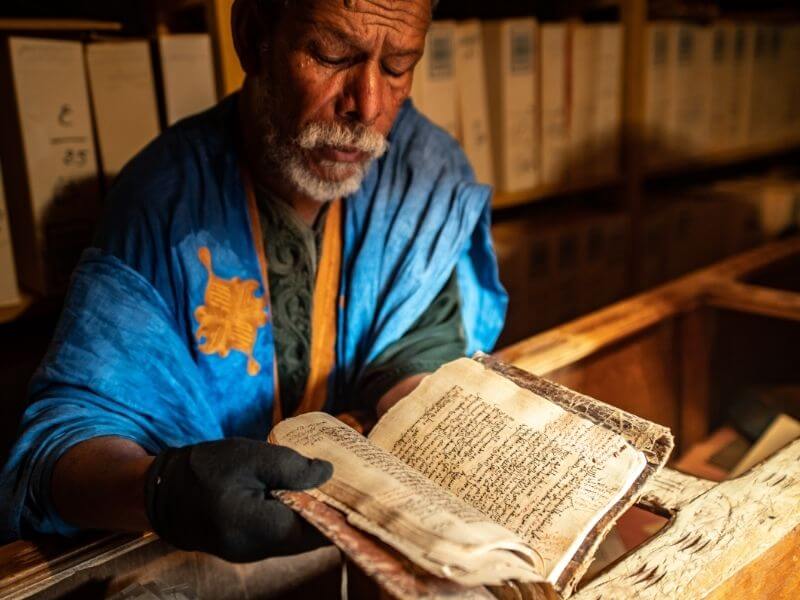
[(319, 188), (291, 157)]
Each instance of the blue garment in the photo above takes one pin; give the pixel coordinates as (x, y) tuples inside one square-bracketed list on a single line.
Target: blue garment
[(125, 360)]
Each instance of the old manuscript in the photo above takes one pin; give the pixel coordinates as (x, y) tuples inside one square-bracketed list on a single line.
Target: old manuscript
[(476, 479)]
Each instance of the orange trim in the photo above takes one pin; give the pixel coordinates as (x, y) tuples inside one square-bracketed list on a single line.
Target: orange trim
[(324, 313), (258, 244), (255, 230), (325, 303)]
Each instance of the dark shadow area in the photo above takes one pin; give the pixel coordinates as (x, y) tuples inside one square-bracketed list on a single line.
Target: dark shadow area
[(756, 371), (69, 225), (24, 343), (783, 275)]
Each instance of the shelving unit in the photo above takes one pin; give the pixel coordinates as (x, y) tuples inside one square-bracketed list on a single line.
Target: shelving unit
[(721, 159), (629, 187), (504, 200), (58, 25)]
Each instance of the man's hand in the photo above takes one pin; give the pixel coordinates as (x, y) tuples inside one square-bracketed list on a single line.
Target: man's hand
[(216, 497)]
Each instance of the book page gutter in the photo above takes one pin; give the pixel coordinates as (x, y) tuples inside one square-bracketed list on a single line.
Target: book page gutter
[(383, 496), (524, 462)]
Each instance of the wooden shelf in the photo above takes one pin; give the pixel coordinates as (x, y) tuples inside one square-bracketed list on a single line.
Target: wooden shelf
[(11, 313), (543, 192), (58, 25), (721, 159)]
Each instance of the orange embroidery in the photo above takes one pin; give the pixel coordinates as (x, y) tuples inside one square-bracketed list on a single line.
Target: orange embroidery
[(231, 316)]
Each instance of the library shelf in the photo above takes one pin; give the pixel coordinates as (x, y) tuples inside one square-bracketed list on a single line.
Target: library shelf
[(722, 159), (544, 192), (13, 312), (7, 24)]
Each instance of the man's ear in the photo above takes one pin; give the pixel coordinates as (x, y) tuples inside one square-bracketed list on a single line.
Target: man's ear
[(248, 32)]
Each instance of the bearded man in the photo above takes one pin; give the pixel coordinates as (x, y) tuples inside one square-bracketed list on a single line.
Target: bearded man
[(311, 243)]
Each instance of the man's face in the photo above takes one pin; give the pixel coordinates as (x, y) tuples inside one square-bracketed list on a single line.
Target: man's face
[(331, 83)]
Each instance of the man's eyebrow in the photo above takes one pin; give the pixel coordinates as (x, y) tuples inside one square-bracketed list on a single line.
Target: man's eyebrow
[(355, 42), (402, 52), (339, 35)]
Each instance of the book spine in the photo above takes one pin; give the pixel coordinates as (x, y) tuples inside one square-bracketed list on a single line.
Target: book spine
[(660, 48), (793, 59), (760, 91), (699, 126), (722, 88), (188, 74), (583, 105), (554, 54), (56, 195), (510, 52), (781, 77), (744, 65), (439, 76), (608, 100), (473, 101), (123, 99), (691, 112), (9, 292)]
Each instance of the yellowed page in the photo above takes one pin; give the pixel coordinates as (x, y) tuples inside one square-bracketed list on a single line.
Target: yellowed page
[(540, 471), (385, 497)]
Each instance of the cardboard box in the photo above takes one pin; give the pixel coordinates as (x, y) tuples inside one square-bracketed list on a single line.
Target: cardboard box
[(435, 88), (9, 292), (554, 72), (123, 98), (187, 72), (473, 100), (511, 65), (48, 155)]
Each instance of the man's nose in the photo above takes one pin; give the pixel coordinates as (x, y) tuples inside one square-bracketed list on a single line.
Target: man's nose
[(362, 100)]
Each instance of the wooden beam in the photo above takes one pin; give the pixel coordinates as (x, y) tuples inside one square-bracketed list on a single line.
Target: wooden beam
[(574, 341), (58, 25), (755, 299)]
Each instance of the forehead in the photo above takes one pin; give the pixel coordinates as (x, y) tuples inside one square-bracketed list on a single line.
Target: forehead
[(402, 22)]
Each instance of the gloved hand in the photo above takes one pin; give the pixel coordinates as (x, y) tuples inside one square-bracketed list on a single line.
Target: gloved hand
[(215, 497)]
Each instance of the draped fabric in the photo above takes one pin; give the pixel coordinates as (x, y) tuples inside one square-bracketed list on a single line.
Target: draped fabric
[(166, 337)]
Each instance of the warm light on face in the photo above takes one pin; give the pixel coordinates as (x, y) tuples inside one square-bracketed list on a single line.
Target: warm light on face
[(332, 82)]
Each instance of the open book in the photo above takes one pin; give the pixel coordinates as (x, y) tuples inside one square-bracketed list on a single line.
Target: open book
[(483, 476)]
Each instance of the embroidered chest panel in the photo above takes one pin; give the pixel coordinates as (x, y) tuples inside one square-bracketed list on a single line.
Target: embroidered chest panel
[(231, 315)]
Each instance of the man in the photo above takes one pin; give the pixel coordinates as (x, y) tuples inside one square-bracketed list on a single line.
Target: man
[(311, 243)]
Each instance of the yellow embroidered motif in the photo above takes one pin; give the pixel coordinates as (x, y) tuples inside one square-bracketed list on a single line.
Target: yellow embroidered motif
[(231, 316)]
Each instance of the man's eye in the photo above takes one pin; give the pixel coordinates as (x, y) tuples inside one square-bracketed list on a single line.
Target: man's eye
[(394, 72), (332, 61)]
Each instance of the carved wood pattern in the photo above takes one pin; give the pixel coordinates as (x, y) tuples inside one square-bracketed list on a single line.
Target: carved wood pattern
[(713, 537), (669, 490)]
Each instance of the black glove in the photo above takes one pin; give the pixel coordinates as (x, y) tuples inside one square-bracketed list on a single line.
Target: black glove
[(215, 497)]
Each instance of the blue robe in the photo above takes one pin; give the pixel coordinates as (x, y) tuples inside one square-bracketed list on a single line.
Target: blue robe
[(126, 359)]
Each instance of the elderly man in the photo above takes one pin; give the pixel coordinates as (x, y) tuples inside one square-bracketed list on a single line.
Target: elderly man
[(311, 243)]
